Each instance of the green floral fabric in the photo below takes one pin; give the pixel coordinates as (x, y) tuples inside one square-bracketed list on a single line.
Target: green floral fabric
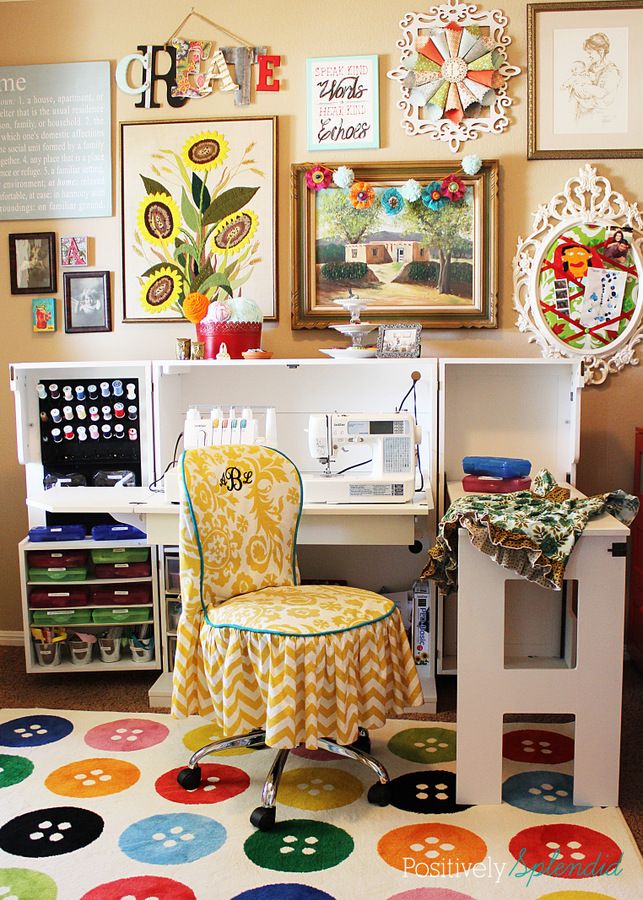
[(531, 532)]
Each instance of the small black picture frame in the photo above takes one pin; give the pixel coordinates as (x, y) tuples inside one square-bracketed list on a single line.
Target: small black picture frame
[(32, 263), (399, 341), (87, 302)]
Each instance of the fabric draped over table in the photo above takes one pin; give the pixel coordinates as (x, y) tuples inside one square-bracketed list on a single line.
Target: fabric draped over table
[(255, 650), (530, 532)]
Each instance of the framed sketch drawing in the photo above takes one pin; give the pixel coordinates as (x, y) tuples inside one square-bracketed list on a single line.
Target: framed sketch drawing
[(426, 260), (198, 214), (343, 103), (584, 79)]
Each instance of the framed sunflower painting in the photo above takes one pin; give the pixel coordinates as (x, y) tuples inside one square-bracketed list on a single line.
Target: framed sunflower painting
[(198, 213)]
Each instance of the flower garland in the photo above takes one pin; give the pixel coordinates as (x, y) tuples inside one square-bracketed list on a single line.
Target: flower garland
[(361, 194)]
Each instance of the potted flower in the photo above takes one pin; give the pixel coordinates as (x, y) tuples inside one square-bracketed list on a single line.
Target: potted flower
[(201, 254)]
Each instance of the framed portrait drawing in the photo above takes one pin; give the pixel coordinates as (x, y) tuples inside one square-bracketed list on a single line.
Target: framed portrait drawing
[(87, 302), (400, 340), (32, 263), (198, 214), (427, 261), (584, 79)]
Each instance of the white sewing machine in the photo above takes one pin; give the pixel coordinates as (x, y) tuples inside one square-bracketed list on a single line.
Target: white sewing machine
[(389, 438)]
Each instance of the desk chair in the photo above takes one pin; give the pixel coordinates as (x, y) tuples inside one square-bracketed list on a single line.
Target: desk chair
[(272, 662)]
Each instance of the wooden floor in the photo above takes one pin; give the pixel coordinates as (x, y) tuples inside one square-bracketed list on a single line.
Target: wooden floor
[(127, 692)]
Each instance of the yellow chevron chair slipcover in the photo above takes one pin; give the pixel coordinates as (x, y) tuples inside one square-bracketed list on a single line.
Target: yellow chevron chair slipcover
[(271, 661)]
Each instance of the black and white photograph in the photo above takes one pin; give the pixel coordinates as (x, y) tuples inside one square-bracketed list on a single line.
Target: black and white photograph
[(87, 302), (32, 263)]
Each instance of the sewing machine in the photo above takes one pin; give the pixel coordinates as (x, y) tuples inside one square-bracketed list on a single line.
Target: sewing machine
[(390, 438)]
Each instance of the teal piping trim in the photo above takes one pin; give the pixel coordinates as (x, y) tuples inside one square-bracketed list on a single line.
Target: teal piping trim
[(315, 634), (198, 537), (196, 532)]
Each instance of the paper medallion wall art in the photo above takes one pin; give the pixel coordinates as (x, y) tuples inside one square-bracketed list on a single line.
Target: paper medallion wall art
[(577, 277), (453, 73)]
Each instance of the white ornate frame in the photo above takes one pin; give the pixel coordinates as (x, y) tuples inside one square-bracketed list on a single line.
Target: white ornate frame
[(587, 198), (470, 128)]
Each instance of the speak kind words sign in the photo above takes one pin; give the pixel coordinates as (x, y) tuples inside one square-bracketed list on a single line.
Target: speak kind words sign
[(343, 103)]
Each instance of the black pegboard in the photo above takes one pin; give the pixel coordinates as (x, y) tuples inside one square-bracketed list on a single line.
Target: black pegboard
[(91, 455)]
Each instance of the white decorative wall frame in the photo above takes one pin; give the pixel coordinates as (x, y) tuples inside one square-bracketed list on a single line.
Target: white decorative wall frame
[(453, 73), (577, 277)]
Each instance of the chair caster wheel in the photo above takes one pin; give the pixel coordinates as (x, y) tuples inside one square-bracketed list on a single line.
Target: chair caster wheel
[(263, 817), (380, 794), (363, 741), (189, 779)]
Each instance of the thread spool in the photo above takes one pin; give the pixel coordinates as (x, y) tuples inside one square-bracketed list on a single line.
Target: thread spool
[(80, 392), (107, 413), (106, 431), (117, 388), (81, 412), (131, 391), (104, 388), (119, 431), (119, 410), (94, 415), (132, 434), (93, 432), (92, 390), (55, 415), (82, 433), (68, 431), (68, 394), (42, 391), (68, 413), (54, 393), (132, 413), (56, 435)]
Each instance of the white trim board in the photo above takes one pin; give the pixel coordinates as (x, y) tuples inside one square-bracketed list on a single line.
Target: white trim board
[(11, 639)]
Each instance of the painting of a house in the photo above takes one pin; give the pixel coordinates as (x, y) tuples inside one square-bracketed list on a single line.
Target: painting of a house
[(372, 252)]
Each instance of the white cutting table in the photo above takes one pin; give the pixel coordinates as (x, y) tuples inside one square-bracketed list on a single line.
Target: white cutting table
[(589, 686)]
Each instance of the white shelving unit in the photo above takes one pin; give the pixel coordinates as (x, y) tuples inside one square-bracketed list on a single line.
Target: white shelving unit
[(148, 611), (526, 408)]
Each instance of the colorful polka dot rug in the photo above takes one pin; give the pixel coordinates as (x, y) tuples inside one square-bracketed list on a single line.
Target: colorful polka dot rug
[(90, 809)]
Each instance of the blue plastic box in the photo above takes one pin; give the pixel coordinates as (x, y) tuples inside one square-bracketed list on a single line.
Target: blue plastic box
[(117, 532), (57, 533), (496, 466)]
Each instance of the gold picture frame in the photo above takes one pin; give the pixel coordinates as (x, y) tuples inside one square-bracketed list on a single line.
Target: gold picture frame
[(406, 290), (583, 76)]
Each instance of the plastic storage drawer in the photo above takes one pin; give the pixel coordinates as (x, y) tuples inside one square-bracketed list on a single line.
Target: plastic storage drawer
[(123, 570), (119, 615), (117, 533), (44, 598), (57, 533), (120, 555), (52, 617), (45, 559), (117, 595), (62, 573), (484, 484)]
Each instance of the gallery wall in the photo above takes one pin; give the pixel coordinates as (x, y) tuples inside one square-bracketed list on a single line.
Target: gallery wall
[(57, 31)]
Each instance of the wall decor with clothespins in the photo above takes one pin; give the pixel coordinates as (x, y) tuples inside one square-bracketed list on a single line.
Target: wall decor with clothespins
[(198, 67)]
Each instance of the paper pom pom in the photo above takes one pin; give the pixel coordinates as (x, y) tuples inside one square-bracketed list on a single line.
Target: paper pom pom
[(195, 307), (392, 202), (318, 178), (343, 177), (471, 164), (411, 190)]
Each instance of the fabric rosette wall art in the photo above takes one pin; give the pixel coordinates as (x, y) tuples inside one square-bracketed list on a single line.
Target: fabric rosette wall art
[(453, 73), (198, 214)]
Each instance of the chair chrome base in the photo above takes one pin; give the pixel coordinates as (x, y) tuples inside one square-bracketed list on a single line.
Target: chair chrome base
[(263, 817)]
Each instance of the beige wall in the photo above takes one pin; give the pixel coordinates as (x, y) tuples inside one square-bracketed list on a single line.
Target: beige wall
[(78, 30)]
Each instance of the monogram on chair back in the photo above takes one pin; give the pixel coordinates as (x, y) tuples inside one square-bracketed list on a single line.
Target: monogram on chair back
[(240, 511)]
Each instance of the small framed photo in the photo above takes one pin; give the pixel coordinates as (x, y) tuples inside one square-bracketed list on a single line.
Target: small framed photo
[(32, 263), (402, 341), (43, 315), (73, 251), (87, 300)]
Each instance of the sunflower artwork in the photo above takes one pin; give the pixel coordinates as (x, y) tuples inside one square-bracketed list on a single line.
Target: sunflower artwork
[(198, 208)]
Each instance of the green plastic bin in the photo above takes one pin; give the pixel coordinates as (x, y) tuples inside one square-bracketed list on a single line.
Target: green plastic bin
[(117, 615), (52, 617), (120, 555), (64, 573)]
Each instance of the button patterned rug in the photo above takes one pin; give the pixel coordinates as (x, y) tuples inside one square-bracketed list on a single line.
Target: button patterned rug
[(90, 808)]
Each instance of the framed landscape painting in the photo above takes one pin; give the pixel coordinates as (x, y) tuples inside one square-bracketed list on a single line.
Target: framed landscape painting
[(198, 214), (431, 261)]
